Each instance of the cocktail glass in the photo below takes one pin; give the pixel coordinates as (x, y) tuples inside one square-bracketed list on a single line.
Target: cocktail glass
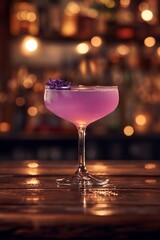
[(82, 105)]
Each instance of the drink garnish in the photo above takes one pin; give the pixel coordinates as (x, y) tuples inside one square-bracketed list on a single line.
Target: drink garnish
[(58, 84)]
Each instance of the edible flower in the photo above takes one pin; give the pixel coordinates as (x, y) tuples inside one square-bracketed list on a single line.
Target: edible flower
[(58, 84)]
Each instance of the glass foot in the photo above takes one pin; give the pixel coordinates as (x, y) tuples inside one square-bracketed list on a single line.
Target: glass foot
[(82, 180)]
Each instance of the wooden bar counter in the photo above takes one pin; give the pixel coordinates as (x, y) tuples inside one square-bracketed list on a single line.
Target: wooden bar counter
[(33, 207)]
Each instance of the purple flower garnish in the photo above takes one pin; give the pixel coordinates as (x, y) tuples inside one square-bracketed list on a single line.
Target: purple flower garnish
[(58, 84)]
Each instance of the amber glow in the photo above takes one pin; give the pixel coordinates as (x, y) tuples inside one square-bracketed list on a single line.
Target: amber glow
[(69, 23), (108, 3), (128, 130), (26, 16), (33, 165), (82, 48), (150, 166), (33, 170), (33, 181), (27, 83), (122, 50), (73, 7), (151, 181), (32, 111), (4, 126), (32, 77), (147, 15), (96, 41), (101, 210), (124, 3), (149, 41), (158, 51), (29, 45), (100, 167), (140, 120)]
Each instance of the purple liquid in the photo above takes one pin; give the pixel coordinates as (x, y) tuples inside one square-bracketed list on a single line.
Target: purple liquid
[(82, 105)]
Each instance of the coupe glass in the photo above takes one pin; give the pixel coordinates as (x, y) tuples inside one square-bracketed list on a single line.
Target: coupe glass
[(82, 105)]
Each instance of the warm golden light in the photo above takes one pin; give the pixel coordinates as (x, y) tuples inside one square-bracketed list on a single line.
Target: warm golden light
[(32, 181), (83, 68), (151, 181), (70, 20), (33, 165), (26, 16), (101, 212), (69, 26), (82, 48), (96, 41), (33, 169), (147, 15), (32, 199), (73, 7), (158, 51), (100, 166), (32, 77), (128, 130), (149, 41), (122, 50), (150, 166), (32, 111), (29, 44), (108, 3), (140, 120), (124, 3), (4, 126), (27, 83)]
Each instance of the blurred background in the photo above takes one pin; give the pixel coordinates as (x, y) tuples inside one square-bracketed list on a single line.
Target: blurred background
[(102, 42)]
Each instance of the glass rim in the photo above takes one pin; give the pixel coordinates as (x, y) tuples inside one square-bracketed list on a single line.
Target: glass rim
[(85, 87)]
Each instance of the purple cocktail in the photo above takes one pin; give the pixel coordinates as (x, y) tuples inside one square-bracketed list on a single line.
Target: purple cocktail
[(81, 105)]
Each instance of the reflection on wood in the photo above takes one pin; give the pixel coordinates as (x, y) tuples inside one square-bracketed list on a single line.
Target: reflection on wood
[(31, 205)]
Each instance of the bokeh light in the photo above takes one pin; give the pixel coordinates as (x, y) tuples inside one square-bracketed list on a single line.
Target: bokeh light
[(140, 120), (147, 15), (73, 8), (33, 165), (96, 41), (150, 166), (122, 50), (82, 48), (29, 44), (124, 3), (128, 130), (5, 127), (32, 111), (149, 41)]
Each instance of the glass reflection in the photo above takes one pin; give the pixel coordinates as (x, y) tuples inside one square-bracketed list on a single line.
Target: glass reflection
[(151, 181), (98, 201), (33, 168), (150, 166), (33, 182), (33, 194)]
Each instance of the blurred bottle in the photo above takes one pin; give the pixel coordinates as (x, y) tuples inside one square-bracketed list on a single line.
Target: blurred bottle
[(24, 18)]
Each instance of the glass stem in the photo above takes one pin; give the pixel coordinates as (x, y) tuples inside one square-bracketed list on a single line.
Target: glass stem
[(81, 150)]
